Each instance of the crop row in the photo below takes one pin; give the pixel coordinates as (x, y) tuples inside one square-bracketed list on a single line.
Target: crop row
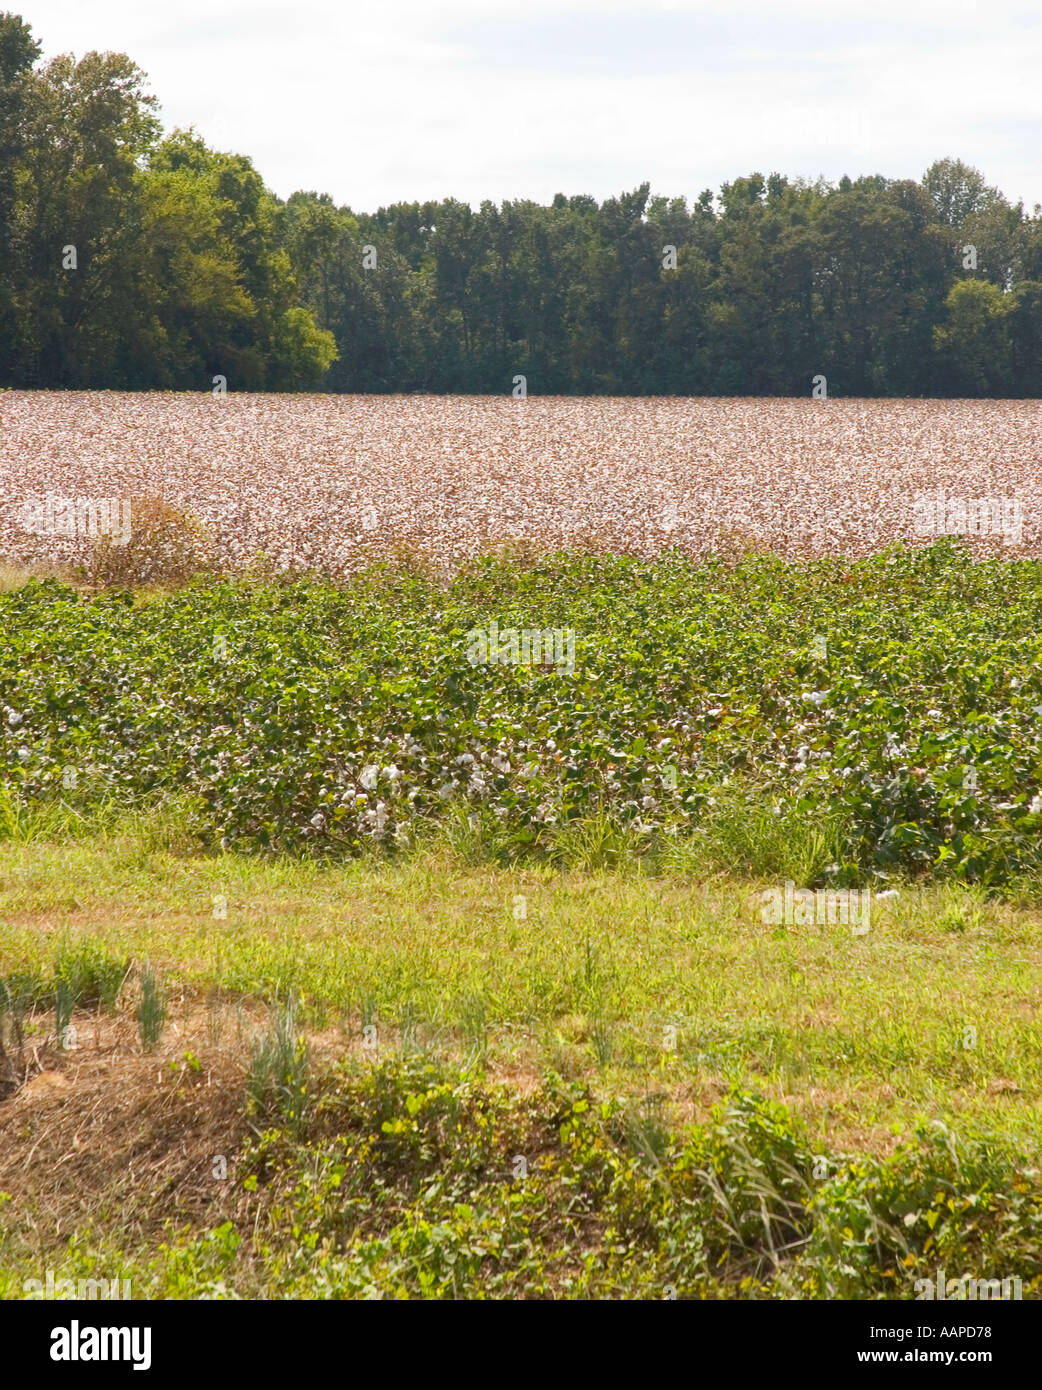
[(897, 700)]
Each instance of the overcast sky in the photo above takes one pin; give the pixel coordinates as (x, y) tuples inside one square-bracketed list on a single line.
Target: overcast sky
[(412, 99)]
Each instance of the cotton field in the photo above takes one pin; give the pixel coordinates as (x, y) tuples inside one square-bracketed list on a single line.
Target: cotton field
[(331, 481)]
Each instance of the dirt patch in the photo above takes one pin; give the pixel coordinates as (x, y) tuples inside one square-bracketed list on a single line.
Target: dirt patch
[(133, 1140), (107, 1131)]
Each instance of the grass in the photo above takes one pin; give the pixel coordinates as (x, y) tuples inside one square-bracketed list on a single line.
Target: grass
[(575, 1059), (856, 1034), (360, 1045)]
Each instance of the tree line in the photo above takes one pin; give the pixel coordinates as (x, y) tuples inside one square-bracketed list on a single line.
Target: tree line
[(131, 258)]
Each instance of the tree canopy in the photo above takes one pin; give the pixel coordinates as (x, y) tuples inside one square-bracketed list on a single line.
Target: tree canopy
[(133, 258)]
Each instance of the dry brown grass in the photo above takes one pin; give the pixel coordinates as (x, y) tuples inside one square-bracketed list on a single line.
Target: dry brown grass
[(107, 1129), (167, 544), (13, 575), (334, 482)]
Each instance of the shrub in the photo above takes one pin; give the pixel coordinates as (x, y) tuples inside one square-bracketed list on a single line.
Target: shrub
[(167, 545)]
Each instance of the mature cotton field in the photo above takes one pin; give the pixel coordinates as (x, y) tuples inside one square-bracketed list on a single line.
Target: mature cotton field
[(330, 480), (353, 945)]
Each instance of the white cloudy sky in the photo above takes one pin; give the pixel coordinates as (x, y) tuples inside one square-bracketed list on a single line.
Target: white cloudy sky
[(394, 100)]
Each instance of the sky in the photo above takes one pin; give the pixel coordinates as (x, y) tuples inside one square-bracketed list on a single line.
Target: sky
[(407, 100)]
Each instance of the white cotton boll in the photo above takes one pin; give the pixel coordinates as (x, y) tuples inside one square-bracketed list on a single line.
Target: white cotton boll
[(370, 776)]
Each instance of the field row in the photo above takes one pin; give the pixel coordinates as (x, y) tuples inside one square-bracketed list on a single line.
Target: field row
[(823, 722), (327, 481)]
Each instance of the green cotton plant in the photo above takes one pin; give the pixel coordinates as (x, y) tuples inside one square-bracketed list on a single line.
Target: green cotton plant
[(705, 725)]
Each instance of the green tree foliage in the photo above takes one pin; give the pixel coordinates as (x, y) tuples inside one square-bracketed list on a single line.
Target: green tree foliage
[(957, 190), (976, 338), (87, 125), (133, 260), (18, 52), (188, 267), (225, 297)]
